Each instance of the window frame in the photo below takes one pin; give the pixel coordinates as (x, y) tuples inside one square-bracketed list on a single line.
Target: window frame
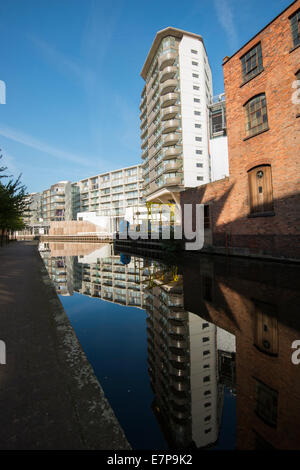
[(295, 38), (249, 75), (249, 113)]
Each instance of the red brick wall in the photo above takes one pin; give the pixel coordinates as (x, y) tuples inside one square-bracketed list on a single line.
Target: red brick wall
[(277, 235), (237, 286)]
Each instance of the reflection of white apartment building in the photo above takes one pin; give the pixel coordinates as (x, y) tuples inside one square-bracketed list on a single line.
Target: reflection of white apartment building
[(109, 194), (108, 278), (183, 367), (174, 114)]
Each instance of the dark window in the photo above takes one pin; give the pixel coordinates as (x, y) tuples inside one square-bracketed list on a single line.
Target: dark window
[(252, 62), (207, 287), (199, 178), (197, 113), (217, 121), (206, 379), (199, 152), (295, 26), (199, 165), (256, 115), (260, 189), (205, 339), (206, 217), (205, 325), (266, 403)]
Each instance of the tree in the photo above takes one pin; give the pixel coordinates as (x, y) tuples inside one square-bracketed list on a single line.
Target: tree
[(12, 204)]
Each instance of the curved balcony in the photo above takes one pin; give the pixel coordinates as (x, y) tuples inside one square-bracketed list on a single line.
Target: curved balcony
[(177, 313), (144, 143), (173, 182), (180, 386), (168, 86), (169, 113), (172, 153), (176, 326), (170, 168), (145, 153), (170, 139), (169, 99), (170, 126), (165, 60), (168, 72)]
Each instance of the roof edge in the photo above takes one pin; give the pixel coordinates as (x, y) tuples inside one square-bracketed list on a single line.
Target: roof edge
[(227, 59), (169, 31)]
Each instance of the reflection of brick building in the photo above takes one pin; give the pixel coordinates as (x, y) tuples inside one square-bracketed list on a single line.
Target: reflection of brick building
[(257, 209), (259, 303)]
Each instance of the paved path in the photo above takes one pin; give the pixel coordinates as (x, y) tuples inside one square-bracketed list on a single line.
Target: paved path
[(49, 395)]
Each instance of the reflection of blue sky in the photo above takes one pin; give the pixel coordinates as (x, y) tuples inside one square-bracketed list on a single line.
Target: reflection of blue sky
[(114, 340)]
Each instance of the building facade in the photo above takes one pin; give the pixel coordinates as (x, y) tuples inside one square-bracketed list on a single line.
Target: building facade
[(174, 115), (109, 194), (256, 210), (56, 202)]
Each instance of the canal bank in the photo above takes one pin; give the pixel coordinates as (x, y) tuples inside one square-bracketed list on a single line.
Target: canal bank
[(49, 395)]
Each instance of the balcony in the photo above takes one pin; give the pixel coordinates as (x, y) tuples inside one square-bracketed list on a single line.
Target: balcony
[(171, 167), (169, 113), (175, 181), (169, 99), (145, 153), (168, 86), (166, 60), (170, 139), (170, 126), (172, 152), (168, 72)]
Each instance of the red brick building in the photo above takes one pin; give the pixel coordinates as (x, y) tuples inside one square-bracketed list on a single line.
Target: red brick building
[(258, 302), (256, 211)]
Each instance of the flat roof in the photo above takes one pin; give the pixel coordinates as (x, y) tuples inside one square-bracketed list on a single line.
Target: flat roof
[(266, 26), (108, 172), (169, 31)]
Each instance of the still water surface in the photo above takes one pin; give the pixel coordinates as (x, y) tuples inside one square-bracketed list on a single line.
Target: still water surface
[(191, 353)]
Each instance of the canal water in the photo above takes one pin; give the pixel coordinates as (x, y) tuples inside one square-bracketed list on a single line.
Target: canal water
[(192, 352)]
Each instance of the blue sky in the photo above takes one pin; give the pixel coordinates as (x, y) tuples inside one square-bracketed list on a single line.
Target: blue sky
[(72, 72)]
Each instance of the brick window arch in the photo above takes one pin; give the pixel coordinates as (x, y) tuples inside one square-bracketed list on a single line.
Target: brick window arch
[(260, 190), (256, 115)]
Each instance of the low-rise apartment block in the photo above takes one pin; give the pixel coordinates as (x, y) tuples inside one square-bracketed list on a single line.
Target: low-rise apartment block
[(109, 194)]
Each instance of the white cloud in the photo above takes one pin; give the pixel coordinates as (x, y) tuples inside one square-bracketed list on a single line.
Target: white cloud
[(30, 141), (63, 62), (225, 17)]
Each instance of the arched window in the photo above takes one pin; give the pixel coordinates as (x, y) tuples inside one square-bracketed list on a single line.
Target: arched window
[(260, 190), (256, 115)]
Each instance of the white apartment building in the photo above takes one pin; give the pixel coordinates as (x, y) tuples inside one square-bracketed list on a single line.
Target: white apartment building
[(109, 194), (175, 116)]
